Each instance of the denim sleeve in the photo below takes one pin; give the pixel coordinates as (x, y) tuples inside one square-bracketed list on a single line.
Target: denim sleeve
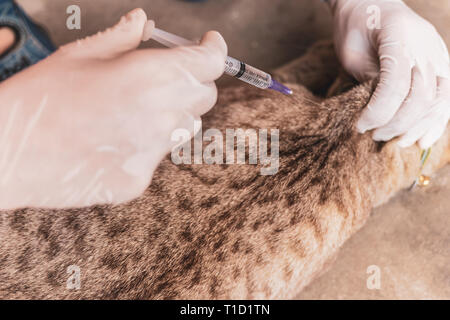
[(32, 42)]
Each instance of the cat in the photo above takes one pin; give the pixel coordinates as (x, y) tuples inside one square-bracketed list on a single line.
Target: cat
[(225, 231)]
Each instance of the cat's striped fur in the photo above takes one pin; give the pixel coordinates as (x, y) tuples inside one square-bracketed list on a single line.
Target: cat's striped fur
[(225, 231)]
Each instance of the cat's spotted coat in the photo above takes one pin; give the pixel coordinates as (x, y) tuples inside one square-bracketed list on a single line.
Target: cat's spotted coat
[(225, 231)]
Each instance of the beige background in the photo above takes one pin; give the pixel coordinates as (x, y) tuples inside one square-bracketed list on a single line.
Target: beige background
[(409, 238)]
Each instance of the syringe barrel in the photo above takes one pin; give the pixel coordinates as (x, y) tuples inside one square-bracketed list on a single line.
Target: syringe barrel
[(246, 73)]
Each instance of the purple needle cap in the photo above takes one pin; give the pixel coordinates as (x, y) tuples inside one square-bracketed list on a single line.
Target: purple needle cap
[(280, 88)]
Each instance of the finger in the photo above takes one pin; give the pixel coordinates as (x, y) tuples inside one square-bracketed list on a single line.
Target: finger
[(205, 101), (444, 61), (188, 122), (443, 88), (433, 135), (126, 35), (393, 88), (197, 100), (438, 115), (414, 108), (205, 62), (148, 30), (416, 132)]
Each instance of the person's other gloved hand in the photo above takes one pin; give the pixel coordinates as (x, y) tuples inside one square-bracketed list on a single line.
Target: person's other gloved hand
[(90, 124), (387, 38)]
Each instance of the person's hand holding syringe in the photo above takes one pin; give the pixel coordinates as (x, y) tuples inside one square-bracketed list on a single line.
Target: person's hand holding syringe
[(233, 67), (98, 115), (95, 126)]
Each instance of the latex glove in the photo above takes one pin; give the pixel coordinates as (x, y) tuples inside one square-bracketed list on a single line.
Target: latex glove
[(387, 38), (90, 124)]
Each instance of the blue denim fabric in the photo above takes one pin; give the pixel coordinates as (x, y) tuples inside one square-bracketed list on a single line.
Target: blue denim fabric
[(32, 44)]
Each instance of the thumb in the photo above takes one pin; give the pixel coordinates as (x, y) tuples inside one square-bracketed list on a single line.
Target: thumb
[(392, 90), (126, 35), (206, 61)]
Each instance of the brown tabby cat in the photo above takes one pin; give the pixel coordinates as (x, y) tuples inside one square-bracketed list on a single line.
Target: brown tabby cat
[(225, 231)]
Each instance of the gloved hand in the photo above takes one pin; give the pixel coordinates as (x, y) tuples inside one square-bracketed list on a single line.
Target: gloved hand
[(90, 124), (387, 38)]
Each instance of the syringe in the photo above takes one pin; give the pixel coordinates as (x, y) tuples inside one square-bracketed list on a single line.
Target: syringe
[(233, 67)]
